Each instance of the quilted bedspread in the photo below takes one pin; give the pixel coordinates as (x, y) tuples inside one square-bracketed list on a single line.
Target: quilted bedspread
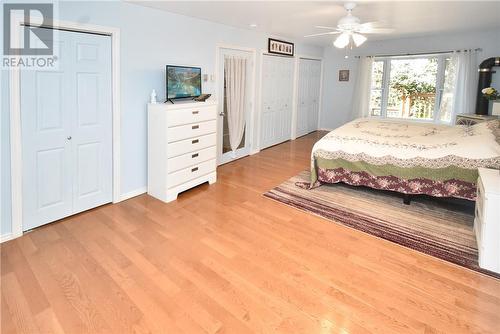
[(408, 157)]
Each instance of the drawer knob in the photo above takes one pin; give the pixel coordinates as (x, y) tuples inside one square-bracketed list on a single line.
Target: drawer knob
[(194, 127), (194, 169), (196, 141), (194, 155), (194, 112)]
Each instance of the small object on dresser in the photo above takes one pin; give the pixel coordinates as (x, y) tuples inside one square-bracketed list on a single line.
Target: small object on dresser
[(202, 97), (487, 219), (153, 97)]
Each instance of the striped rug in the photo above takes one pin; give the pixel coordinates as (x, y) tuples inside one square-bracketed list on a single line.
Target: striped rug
[(437, 227)]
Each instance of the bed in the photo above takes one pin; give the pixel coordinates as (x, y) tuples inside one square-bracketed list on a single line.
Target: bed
[(407, 157)]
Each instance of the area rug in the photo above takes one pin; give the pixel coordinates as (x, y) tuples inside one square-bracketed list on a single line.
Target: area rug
[(437, 227)]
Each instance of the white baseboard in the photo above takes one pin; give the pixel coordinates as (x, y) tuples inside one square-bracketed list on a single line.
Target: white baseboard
[(325, 129), (6, 237), (133, 193), (9, 236)]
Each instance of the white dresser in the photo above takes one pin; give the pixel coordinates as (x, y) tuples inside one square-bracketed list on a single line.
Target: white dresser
[(487, 220), (181, 147)]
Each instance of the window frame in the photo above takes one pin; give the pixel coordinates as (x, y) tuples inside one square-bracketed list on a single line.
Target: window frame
[(386, 69)]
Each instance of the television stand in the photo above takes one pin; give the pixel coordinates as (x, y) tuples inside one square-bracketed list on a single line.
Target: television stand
[(169, 100)]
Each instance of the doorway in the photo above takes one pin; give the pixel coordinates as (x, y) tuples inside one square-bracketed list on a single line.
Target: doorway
[(230, 149), (66, 131)]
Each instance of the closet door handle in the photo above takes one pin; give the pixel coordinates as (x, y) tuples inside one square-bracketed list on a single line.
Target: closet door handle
[(194, 127), (194, 112), (196, 141), (194, 155), (194, 169)]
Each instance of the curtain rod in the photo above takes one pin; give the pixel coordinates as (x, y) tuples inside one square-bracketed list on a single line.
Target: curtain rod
[(425, 53)]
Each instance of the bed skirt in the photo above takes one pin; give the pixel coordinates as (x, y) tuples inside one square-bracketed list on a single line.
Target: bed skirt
[(451, 181), (416, 186)]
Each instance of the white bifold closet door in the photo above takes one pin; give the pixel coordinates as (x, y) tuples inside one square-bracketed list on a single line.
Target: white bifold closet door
[(66, 129), (277, 96), (308, 93)]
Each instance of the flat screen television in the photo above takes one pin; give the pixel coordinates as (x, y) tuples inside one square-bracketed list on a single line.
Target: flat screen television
[(183, 82)]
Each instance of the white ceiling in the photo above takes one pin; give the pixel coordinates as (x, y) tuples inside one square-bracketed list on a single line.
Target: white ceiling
[(294, 19)]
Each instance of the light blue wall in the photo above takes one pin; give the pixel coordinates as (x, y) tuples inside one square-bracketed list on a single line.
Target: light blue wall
[(150, 39), (338, 96)]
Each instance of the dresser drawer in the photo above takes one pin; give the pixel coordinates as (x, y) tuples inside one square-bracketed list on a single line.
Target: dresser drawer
[(191, 130), (190, 173), (191, 145), (188, 116), (190, 159)]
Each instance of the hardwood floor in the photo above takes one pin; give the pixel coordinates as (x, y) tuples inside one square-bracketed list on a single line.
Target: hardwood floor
[(225, 259)]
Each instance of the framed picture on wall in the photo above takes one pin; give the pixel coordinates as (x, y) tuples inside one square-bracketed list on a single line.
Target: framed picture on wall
[(280, 47), (343, 75)]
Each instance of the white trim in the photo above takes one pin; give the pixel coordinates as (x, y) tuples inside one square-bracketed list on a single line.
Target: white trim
[(133, 193), (295, 97), (15, 154), (259, 103), (15, 115), (220, 81), (320, 102), (6, 237), (304, 56), (234, 47)]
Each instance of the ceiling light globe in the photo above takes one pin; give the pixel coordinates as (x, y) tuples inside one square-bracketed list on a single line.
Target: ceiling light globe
[(342, 41), (358, 39)]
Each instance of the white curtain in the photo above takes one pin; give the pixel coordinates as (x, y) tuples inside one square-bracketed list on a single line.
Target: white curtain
[(459, 91), (235, 75), (362, 90)]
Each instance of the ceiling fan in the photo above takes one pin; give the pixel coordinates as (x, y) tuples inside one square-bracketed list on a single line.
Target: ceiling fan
[(350, 27)]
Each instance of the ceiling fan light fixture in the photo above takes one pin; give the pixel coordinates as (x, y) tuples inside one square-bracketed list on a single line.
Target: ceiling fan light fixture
[(342, 41), (352, 31), (358, 39)]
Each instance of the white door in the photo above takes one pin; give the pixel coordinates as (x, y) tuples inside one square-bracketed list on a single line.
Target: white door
[(314, 94), (308, 95), (67, 131), (302, 94), (225, 154), (277, 95)]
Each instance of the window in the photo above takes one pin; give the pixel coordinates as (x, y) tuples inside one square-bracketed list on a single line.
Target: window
[(418, 88)]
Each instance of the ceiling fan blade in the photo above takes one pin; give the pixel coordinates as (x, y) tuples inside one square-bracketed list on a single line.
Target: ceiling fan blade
[(373, 24), (323, 33), (324, 27), (375, 31)]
